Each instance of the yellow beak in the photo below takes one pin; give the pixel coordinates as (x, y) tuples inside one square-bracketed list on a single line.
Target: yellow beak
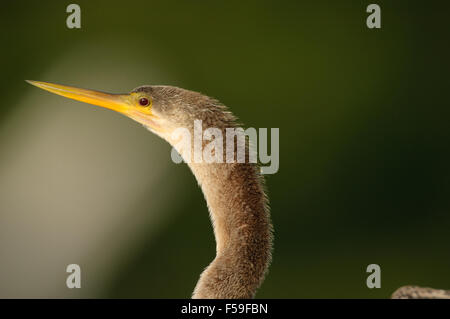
[(116, 102)]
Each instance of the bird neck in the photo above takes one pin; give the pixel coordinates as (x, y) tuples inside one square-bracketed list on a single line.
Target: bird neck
[(243, 232)]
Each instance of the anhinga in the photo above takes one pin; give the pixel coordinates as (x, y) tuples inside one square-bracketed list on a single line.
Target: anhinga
[(234, 192)]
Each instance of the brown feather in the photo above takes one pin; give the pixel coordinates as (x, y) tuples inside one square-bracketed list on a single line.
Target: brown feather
[(235, 196)]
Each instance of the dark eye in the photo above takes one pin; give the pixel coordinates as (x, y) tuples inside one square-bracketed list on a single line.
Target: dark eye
[(143, 101)]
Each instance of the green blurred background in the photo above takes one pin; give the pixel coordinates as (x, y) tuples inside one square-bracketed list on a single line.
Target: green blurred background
[(364, 144)]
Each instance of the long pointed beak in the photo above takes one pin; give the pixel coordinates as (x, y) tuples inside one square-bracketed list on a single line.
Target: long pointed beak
[(116, 102)]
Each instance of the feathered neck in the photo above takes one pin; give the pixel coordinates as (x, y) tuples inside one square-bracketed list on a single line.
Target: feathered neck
[(239, 213)]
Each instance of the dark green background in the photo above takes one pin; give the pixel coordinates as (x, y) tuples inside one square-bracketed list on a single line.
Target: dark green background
[(364, 130)]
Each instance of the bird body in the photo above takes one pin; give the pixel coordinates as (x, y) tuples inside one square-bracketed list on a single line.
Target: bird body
[(234, 192), (415, 292)]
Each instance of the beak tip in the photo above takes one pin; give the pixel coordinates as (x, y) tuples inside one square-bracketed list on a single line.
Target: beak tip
[(38, 84)]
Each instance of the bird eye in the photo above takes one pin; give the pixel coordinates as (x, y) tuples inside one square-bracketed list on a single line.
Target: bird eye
[(143, 101)]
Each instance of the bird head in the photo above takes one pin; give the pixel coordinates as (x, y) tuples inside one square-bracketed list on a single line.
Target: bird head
[(161, 109)]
